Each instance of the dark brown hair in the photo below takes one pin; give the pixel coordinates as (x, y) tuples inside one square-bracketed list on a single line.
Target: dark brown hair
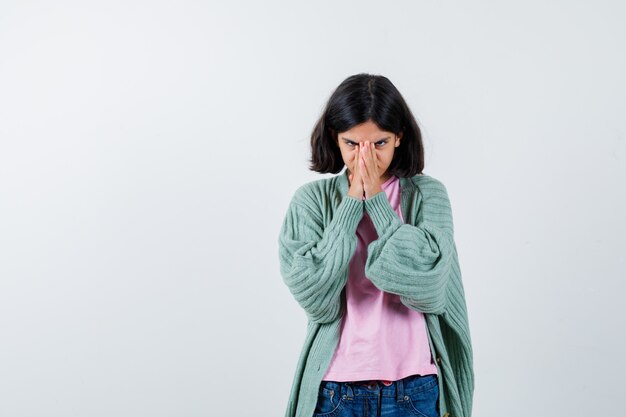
[(359, 98)]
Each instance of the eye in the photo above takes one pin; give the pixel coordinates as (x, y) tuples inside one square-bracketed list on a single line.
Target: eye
[(378, 144)]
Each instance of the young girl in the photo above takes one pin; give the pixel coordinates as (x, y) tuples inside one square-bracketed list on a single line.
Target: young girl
[(370, 256)]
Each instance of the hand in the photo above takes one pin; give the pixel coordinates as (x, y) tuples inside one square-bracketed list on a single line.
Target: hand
[(369, 170), (356, 182)]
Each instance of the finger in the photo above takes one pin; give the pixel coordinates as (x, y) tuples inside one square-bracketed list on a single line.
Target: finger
[(373, 160), (355, 161), (367, 160), (365, 174), (367, 154), (359, 161)]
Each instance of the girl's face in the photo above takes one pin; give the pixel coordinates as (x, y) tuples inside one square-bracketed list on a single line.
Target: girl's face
[(384, 142)]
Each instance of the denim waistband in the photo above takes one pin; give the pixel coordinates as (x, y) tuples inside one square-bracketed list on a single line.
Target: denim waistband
[(398, 389)]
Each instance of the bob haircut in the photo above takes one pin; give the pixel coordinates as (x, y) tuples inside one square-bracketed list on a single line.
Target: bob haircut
[(359, 98)]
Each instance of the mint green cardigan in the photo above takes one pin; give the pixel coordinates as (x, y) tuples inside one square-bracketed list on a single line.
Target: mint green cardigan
[(416, 260)]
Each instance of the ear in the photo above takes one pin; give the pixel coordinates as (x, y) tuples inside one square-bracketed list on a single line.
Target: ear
[(399, 136)]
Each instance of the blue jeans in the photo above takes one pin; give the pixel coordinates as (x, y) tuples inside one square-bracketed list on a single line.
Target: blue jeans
[(413, 396)]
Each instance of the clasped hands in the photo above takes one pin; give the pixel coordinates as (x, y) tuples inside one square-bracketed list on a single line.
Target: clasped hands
[(365, 173)]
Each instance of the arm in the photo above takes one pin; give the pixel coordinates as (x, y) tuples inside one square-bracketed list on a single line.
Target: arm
[(414, 262), (314, 260)]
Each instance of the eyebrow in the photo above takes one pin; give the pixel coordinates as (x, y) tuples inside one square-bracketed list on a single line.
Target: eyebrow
[(350, 140)]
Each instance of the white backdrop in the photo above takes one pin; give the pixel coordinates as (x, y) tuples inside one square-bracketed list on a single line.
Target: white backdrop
[(149, 150)]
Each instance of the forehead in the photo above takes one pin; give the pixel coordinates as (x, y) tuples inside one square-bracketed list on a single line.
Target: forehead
[(364, 131)]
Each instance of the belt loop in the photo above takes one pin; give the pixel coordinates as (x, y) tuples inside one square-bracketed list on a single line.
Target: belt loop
[(349, 392), (400, 390)]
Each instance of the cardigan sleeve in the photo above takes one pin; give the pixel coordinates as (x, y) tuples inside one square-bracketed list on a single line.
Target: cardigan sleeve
[(314, 259), (413, 261)]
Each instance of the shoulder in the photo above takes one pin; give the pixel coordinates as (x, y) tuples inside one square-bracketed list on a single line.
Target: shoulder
[(315, 196), (311, 192), (307, 190), (435, 203), (430, 186)]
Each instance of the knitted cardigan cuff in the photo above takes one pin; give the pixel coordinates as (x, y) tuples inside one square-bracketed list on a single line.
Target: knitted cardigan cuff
[(382, 214)]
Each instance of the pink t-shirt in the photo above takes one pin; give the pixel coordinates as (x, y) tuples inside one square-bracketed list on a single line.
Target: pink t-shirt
[(380, 338)]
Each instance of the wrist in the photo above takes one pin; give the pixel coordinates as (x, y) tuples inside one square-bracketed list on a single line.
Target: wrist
[(372, 193), (356, 195)]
